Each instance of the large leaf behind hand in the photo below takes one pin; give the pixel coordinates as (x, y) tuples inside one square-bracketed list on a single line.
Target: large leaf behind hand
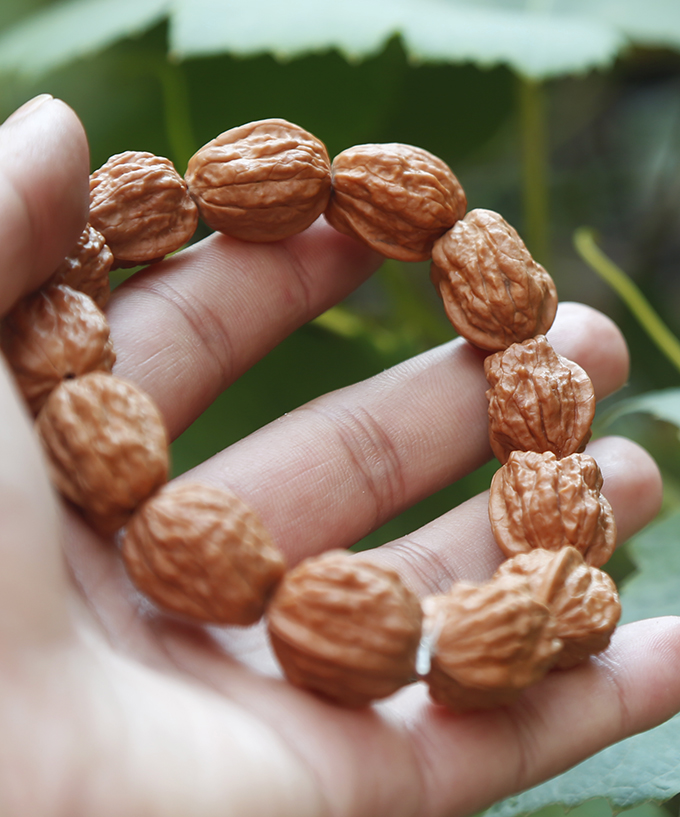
[(537, 42)]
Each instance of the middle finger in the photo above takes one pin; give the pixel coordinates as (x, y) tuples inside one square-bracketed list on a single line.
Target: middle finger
[(330, 472)]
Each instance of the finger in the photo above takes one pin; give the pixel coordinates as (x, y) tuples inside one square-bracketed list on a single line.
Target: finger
[(43, 201), (32, 579), (418, 758), (347, 462), (460, 546), (577, 335), (186, 329), (468, 762), (44, 193)]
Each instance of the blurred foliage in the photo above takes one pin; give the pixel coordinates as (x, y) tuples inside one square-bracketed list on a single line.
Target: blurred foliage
[(600, 149)]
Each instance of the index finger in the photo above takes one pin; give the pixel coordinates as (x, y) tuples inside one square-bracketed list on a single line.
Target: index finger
[(185, 329)]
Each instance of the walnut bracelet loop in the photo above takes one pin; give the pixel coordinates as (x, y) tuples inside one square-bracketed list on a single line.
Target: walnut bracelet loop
[(340, 626)]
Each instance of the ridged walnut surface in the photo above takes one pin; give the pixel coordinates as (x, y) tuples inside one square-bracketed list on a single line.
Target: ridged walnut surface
[(53, 334), (493, 641), (142, 207), (582, 598), (86, 268), (538, 400), (538, 501), (494, 293), (398, 199), (106, 446), (345, 628), (263, 181), (202, 553)]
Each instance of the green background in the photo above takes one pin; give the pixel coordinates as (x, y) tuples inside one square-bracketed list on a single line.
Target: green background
[(582, 131)]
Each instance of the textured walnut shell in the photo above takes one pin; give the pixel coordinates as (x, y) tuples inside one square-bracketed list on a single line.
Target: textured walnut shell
[(396, 198), (202, 553), (582, 598), (538, 400), (106, 446), (491, 641), (142, 207), (53, 334), (345, 628), (494, 293), (86, 268), (263, 181), (538, 501)]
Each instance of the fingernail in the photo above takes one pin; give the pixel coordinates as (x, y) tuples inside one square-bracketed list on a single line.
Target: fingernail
[(28, 107)]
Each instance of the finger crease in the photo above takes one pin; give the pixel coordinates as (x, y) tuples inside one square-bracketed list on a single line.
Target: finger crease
[(372, 456), (303, 276), (209, 332), (430, 570), (610, 670), (526, 724)]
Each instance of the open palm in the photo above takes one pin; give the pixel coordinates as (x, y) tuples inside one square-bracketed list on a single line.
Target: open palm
[(108, 707)]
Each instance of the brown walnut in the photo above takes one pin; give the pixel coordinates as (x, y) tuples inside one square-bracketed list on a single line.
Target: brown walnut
[(53, 334), (582, 598), (203, 553), (490, 642), (494, 293), (86, 268), (106, 446), (263, 181), (345, 628), (538, 501), (142, 206), (398, 199), (538, 400)]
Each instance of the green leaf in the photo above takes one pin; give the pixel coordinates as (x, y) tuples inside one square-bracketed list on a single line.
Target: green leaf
[(641, 769), (645, 767), (650, 23), (653, 589), (533, 43), (662, 405), (536, 43), (65, 32), (536, 40)]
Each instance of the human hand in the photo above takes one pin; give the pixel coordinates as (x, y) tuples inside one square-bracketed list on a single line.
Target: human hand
[(110, 708)]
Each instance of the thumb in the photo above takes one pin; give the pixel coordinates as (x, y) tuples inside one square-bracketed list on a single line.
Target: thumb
[(43, 209), (44, 193)]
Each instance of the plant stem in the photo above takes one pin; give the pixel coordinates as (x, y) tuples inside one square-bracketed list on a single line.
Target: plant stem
[(535, 168), (176, 107), (410, 310), (630, 294), (177, 112)]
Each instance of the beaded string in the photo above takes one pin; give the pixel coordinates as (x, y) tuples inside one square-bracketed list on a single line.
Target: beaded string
[(201, 553)]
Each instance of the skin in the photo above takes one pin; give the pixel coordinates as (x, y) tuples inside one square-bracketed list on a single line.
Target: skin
[(108, 707)]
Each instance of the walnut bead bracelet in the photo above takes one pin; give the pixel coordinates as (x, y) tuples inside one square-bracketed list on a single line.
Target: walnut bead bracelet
[(341, 627)]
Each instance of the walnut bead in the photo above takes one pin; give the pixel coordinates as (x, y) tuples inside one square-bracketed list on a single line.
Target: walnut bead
[(583, 599), (538, 501), (396, 198), (491, 641), (86, 268), (345, 628), (263, 181), (538, 400), (202, 553), (106, 446), (494, 293), (142, 206), (53, 334)]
